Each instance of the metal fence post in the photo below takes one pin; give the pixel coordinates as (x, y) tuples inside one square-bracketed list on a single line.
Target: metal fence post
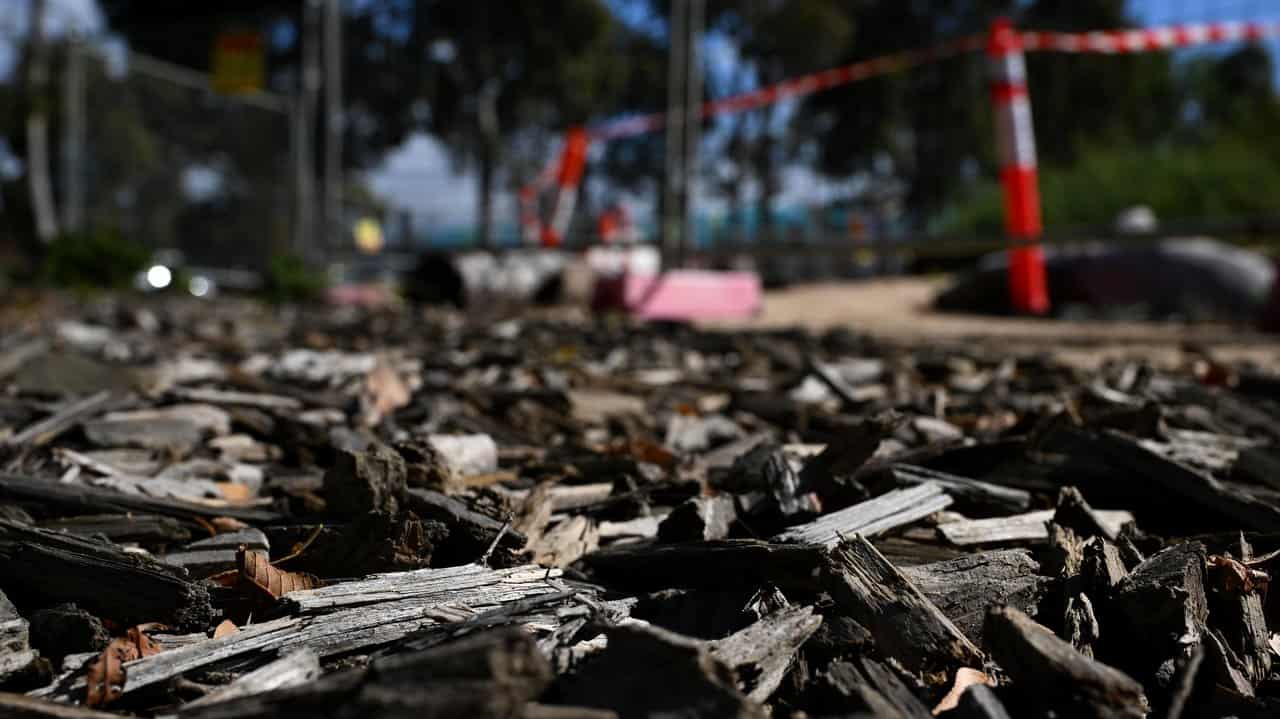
[(73, 137), (334, 122)]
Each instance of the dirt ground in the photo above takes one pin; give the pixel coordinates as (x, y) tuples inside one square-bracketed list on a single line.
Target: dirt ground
[(897, 309)]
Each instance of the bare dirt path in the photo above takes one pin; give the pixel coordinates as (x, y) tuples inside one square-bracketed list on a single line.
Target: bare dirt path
[(897, 309)]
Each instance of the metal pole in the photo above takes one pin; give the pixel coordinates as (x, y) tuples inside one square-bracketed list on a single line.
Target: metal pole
[(672, 222), (692, 123), (333, 215), (38, 182), (297, 138), (73, 140), (309, 234)]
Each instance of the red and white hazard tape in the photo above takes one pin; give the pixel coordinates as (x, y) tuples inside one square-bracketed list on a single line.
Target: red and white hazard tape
[(797, 86), (1150, 39), (1105, 42)]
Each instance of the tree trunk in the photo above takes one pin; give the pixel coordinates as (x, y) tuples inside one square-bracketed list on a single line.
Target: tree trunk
[(38, 180), (484, 207), (766, 169), (490, 132), (768, 183)]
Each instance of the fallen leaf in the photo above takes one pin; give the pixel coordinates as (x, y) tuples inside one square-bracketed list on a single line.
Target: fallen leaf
[(643, 450), (145, 644), (235, 492), (206, 526), (227, 524), (965, 678), (107, 676), (1237, 577), (1214, 374), (255, 570), (229, 578), (226, 628), (385, 391)]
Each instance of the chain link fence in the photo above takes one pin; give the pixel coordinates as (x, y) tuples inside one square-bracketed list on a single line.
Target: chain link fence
[(151, 151)]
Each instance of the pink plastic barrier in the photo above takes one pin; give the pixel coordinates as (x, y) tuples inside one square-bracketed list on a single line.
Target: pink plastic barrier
[(682, 295)]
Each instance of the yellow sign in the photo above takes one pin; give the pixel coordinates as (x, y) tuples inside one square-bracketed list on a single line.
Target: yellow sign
[(368, 233), (238, 64)]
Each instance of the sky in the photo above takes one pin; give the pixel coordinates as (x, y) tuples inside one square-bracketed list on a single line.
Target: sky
[(81, 15)]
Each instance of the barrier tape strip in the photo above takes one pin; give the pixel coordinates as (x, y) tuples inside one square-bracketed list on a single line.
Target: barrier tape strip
[(1112, 42), (1101, 41), (1108, 42), (796, 86)]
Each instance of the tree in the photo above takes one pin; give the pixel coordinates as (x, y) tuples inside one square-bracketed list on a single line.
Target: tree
[(784, 38), (1079, 99), (475, 73), (929, 122), (1236, 94), (509, 66)]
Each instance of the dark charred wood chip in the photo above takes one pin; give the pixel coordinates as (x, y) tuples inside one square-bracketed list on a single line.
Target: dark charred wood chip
[(1158, 607), (1075, 513), (150, 529), (624, 676), (1054, 673), (362, 482), (41, 568), (905, 624), (979, 702), (66, 629), (970, 495), (864, 685), (700, 518), (1102, 568), (965, 588)]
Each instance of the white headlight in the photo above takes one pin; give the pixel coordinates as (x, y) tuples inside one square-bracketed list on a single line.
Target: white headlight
[(159, 276), (200, 286)]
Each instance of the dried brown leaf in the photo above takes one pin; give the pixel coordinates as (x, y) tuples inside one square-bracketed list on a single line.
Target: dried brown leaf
[(965, 678), (385, 392), (226, 628), (107, 676), (235, 492), (1238, 577), (145, 644), (206, 525), (256, 571), (224, 525), (228, 578), (1214, 374), (644, 450)]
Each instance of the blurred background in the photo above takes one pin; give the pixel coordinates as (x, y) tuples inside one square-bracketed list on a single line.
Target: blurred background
[(239, 134)]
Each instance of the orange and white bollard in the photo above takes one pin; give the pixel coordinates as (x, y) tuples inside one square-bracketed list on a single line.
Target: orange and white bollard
[(573, 161), (1016, 142)]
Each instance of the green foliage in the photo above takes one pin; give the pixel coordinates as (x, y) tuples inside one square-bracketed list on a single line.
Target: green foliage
[(290, 279), (1233, 175), (100, 258)]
